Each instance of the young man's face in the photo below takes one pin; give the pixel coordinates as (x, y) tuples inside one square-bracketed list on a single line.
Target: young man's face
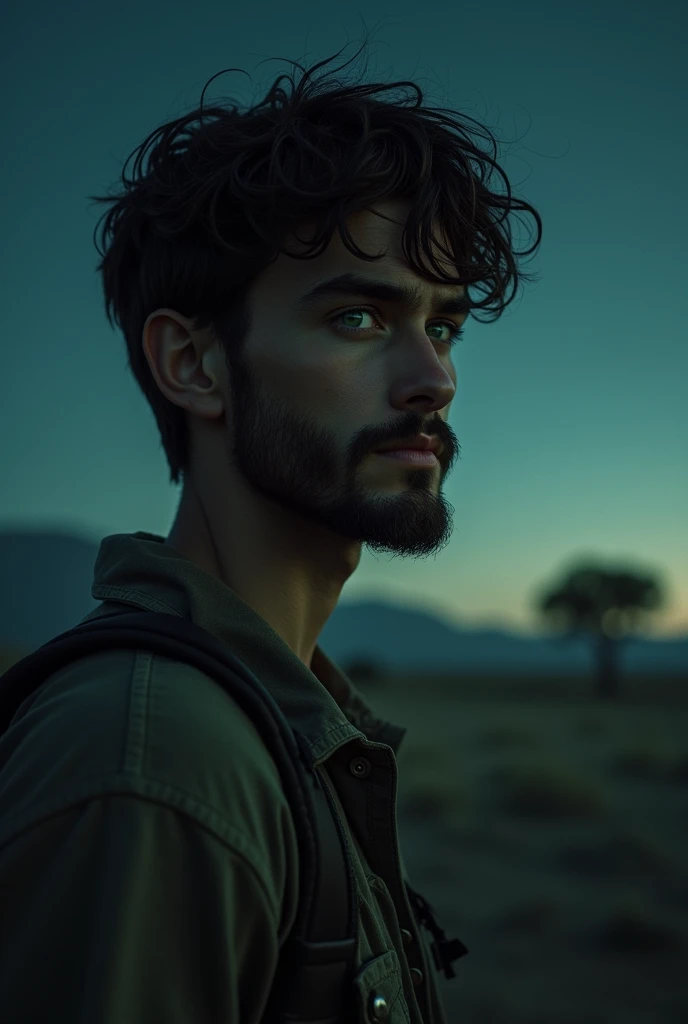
[(309, 401)]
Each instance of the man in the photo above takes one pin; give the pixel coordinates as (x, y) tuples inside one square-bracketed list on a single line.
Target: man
[(149, 859)]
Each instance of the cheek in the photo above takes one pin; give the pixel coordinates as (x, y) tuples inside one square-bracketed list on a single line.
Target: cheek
[(303, 382), (330, 388)]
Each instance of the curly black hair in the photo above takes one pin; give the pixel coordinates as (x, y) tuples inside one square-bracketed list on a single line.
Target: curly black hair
[(219, 198)]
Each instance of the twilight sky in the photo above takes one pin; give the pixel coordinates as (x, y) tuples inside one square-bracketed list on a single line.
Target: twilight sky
[(571, 411)]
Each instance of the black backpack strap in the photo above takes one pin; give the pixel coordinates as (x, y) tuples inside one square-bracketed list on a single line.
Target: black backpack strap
[(314, 977), (444, 950)]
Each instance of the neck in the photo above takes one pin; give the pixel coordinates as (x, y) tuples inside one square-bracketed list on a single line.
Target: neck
[(290, 571)]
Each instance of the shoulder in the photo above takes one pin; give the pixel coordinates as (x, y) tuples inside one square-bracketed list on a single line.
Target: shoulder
[(161, 730)]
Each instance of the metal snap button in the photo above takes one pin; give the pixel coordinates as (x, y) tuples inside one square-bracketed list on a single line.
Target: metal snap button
[(406, 936), (379, 1010), (360, 767), (417, 977)]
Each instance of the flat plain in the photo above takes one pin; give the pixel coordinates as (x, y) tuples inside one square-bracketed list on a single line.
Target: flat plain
[(549, 830)]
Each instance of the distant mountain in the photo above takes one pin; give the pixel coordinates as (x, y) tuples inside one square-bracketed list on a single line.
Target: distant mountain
[(410, 639), (45, 585), (45, 588)]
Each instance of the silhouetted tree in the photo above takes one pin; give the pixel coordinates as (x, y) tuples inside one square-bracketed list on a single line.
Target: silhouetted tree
[(607, 603)]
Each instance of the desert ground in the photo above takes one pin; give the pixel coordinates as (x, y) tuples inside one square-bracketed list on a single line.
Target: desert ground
[(549, 831)]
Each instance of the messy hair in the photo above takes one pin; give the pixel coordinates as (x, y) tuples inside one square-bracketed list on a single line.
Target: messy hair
[(218, 199)]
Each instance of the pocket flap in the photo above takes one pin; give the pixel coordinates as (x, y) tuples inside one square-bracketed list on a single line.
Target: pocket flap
[(379, 992)]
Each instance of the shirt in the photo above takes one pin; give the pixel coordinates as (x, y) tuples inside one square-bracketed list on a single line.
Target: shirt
[(149, 868)]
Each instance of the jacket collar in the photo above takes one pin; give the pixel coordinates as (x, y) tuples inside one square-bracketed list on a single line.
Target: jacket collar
[(320, 703)]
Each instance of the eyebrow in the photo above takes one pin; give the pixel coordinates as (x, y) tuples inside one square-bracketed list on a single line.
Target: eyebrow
[(409, 296)]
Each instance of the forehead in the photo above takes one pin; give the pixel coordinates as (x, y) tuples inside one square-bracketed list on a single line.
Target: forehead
[(374, 234)]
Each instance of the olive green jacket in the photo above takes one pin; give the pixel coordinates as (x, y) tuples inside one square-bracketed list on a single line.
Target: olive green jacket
[(148, 856)]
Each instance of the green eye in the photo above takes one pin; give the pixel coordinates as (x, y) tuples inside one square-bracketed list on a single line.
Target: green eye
[(455, 332)]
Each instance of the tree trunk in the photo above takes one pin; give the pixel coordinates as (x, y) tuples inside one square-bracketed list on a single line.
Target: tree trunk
[(607, 680)]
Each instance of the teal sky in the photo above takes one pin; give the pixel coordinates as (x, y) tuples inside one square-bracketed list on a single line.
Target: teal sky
[(571, 411)]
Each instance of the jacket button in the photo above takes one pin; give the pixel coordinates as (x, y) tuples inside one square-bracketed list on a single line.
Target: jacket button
[(379, 1010), (360, 767), (406, 936), (417, 977)]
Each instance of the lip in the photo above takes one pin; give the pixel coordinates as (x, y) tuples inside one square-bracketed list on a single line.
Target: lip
[(411, 456), (422, 442)]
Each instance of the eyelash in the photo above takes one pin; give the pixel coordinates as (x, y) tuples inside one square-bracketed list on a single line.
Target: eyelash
[(456, 331)]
